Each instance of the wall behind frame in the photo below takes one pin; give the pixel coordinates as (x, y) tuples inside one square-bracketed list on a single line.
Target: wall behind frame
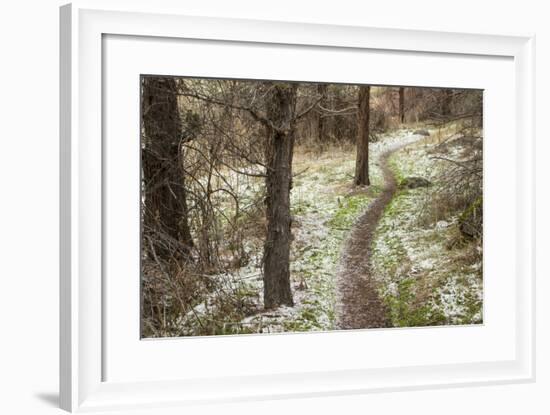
[(29, 202)]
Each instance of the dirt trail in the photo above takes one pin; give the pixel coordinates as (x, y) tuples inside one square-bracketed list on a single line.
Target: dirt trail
[(360, 305)]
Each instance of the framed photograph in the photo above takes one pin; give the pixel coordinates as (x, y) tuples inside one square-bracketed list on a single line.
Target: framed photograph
[(260, 209)]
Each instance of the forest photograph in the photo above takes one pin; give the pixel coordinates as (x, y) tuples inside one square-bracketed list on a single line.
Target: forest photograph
[(279, 206)]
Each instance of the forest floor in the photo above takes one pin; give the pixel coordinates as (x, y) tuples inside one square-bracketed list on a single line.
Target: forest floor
[(326, 208), (427, 272), (359, 302), (372, 256)]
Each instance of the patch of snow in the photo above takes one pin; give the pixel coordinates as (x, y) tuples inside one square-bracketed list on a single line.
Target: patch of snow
[(442, 224), (403, 249)]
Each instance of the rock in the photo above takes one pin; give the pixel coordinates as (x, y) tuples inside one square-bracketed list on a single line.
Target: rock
[(414, 182), (422, 132)]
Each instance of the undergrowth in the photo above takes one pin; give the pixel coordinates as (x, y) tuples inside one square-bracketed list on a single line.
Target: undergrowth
[(428, 272)]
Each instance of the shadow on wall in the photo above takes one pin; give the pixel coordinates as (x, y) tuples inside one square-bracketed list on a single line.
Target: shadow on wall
[(52, 399)]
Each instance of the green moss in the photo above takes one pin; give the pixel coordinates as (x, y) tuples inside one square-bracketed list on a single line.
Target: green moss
[(414, 295), (406, 311), (349, 208), (473, 306), (392, 163), (314, 269)]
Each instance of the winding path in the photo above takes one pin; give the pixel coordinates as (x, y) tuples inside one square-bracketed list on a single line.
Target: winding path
[(360, 306)]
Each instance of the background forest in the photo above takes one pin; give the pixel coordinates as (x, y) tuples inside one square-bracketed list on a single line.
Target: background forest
[(278, 206)]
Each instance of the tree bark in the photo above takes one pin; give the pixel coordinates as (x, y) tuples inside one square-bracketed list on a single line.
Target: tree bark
[(165, 214), (281, 107), (446, 102), (362, 158), (321, 133), (401, 105)]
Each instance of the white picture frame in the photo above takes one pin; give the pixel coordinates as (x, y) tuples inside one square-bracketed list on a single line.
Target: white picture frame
[(84, 27)]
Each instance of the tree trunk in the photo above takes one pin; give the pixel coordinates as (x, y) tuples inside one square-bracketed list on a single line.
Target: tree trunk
[(401, 105), (165, 213), (446, 102), (281, 106), (362, 158), (321, 133)]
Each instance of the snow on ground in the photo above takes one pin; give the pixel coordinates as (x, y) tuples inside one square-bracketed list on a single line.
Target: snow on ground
[(423, 281), (324, 205)]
